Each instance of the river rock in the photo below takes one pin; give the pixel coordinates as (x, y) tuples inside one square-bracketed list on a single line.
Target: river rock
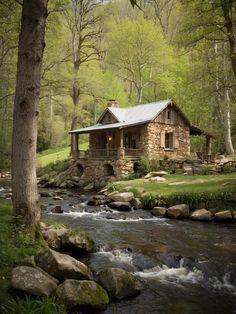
[(225, 216), (89, 187), (119, 283), (77, 243), (57, 198), (201, 215), (28, 261), (54, 236), (159, 211), (136, 203), (33, 281), (82, 295), (45, 194), (122, 206), (62, 266), (122, 197), (178, 211), (57, 210)]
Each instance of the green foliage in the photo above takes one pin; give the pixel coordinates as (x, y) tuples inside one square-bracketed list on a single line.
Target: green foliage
[(146, 165), (29, 305), (221, 199), (149, 201), (113, 186), (229, 168), (58, 166), (15, 245)]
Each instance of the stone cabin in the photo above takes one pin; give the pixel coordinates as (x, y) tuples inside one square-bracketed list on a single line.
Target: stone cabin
[(122, 135)]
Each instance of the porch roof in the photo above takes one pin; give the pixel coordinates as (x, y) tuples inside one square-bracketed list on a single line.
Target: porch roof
[(100, 127)]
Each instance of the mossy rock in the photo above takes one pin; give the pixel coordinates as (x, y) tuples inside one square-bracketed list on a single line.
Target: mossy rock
[(119, 283), (82, 295)]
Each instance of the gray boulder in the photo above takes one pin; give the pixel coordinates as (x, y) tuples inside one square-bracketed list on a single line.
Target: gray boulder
[(122, 197), (121, 206), (54, 236), (119, 283), (62, 266), (201, 215), (77, 243), (33, 281), (224, 216), (82, 295), (57, 210), (159, 211), (136, 203), (178, 211), (156, 174)]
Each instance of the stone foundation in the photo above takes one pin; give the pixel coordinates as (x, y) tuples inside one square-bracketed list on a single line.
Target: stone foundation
[(102, 169)]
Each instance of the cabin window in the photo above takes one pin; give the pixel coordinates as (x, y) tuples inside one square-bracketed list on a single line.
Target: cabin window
[(169, 140), (168, 115)]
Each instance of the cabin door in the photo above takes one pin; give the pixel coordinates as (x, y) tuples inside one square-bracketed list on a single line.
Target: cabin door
[(130, 140)]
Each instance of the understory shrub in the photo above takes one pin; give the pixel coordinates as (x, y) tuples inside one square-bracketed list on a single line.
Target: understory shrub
[(30, 305), (146, 165)]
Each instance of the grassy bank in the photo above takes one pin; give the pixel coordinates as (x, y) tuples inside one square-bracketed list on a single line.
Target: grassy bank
[(215, 192), (182, 184), (54, 155), (15, 246)]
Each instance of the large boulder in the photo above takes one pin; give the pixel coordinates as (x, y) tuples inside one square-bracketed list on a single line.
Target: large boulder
[(136, 203), (122, 197), (178, 211), (119, 283), (155, 179), (159, 211), (224, 216), (82, 295), (202, 215), (62, 266), (77, 243), (121, 206), (33, 281), (54, 236)]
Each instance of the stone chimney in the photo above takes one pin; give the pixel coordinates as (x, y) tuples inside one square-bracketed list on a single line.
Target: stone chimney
[(112, 103)]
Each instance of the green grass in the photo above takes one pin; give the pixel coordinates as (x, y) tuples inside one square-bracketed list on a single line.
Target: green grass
[(192, 184), (54, 155), (14, 246)]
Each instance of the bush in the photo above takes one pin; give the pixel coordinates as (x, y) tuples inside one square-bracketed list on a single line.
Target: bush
[(29, 305), (146, 165), (149, 201)]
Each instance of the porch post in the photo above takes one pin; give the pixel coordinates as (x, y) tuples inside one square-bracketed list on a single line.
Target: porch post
[(208, 144), (75, 145), (121, 150)]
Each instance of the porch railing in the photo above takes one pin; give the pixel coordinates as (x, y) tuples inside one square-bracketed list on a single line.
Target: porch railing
[(115, 153)]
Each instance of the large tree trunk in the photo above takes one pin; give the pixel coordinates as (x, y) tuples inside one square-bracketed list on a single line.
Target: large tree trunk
[(31, 45)]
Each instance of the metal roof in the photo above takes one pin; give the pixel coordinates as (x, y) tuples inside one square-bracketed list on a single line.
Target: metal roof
[(128, 116)]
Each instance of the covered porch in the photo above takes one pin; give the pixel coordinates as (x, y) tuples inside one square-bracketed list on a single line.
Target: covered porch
[(110, 144)]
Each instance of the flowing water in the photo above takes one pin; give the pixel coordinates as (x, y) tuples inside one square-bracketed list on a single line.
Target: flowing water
[(184, 266)]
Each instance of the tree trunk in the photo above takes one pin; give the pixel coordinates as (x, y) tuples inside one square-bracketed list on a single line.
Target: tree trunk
[(31, 45), (227, 9), (227, 127)]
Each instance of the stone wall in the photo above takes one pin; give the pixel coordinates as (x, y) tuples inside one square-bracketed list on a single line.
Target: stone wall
[(98, 169), (152, 141)]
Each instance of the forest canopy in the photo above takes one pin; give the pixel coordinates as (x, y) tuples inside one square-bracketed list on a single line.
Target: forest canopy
[(100, 50)]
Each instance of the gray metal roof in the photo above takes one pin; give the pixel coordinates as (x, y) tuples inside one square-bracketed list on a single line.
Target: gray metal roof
[(128, 116)]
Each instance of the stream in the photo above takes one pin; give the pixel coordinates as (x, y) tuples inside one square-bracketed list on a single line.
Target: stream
[(184, 266)]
